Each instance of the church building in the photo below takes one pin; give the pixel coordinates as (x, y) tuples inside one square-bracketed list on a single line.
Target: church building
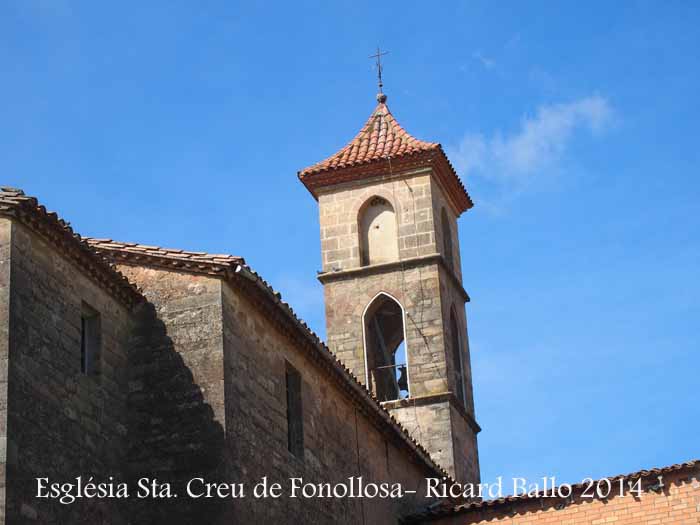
[(123, 362)]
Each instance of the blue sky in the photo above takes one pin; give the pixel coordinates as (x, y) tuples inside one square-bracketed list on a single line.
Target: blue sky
[(574, 126)]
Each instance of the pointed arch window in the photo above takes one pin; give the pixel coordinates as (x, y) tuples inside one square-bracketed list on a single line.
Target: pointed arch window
[(378, 233), (447, 239), (385, 349), (458, 367)]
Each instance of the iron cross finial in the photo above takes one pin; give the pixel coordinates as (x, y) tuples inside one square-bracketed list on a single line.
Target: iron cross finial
[(381, 97)]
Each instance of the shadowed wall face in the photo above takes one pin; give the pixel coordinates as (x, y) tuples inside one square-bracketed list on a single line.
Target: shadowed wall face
[(176, 395), (339, 440), (5, 251), (209, 398), (63, 419)]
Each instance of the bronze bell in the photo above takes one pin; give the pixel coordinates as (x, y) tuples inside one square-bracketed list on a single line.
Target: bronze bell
[(403, 378)]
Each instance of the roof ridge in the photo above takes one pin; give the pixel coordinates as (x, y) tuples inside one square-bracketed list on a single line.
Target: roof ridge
[(379, 140)]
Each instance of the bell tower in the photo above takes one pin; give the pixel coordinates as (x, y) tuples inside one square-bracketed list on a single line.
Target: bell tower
[(395, 304)]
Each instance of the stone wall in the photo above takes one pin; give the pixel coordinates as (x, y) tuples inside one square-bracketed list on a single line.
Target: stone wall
[(417, 289), (340, 440), (465, 444), (427, 293), (440, 424), (207, 397), (439, 203), (5, 251), (60, 422), (678, 503), (176, 394), (464, 429), (417, 200), (412, 202), (428, 421), (452, 298)]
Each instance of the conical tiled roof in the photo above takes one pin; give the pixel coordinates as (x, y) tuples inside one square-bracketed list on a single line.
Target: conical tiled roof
[(381, 137), (383, 147)]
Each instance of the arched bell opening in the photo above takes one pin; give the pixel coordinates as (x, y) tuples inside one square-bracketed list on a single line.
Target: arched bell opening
[(386, 359)]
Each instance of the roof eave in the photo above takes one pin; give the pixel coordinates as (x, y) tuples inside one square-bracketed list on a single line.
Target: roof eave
[(512, 502), (26, 210), (316, 179)]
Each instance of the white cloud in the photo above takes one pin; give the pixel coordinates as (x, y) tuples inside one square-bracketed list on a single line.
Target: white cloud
[(487, 62), (512, 161)]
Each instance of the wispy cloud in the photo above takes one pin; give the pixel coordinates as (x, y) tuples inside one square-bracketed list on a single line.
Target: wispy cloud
[(508, 163), (485, 61)]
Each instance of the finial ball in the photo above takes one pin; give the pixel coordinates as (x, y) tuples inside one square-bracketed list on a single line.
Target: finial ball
[(381, 98)]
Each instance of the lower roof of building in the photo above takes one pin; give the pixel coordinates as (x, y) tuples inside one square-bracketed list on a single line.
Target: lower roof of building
[(517, 504)]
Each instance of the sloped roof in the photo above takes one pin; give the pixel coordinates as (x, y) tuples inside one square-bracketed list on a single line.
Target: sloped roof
[(16, 205), (517, 503), (383, 146), (381, 137), (174, 258)]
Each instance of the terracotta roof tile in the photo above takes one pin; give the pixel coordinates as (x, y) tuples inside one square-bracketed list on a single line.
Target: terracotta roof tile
[(512, 501), (169, 256), (381, 147), (381, 136), (14, 204)]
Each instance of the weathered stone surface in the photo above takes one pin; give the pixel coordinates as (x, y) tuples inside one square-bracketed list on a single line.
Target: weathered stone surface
[(191, 381), (426, 285), (60, 424), (340, 440), (5, 251), (191, 384), (410, 198), (176, 393)]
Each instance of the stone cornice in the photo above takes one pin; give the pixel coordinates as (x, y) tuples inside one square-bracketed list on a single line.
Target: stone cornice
[(430, 399), (368, 181), (436, 159), (403, 264)]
